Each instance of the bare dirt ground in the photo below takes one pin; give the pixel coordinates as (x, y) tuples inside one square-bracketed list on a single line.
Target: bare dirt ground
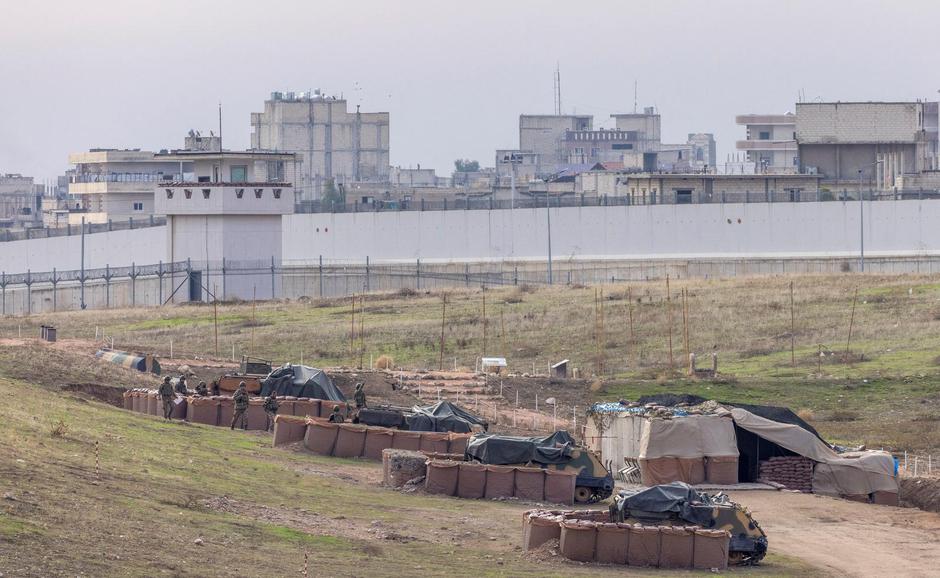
[(848, 538)]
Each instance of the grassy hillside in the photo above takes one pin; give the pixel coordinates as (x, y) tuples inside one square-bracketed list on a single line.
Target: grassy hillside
[(256, 510)]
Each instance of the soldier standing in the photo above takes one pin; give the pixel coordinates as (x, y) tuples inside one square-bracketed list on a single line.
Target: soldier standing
[(360, 396), (336, 416), (167, 394), (215, 387), (270, 409), (240, 398)]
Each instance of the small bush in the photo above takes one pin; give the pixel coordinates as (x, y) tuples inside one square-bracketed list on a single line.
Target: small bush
[(806, 414), (598, 386), (406, 292), (845, 267), (527, 288), (59, 429), (384, 362), (514, 298), (843, 415)]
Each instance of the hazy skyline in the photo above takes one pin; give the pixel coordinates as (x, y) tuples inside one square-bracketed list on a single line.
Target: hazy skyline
[(454, 79)]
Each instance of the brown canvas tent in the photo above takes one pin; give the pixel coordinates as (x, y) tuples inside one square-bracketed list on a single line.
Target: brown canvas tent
[(676, 449)]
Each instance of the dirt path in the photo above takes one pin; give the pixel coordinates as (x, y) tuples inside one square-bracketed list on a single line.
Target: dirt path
[(848, 538)]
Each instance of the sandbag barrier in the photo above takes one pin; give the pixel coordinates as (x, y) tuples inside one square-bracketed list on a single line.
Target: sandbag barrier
[(476, 481), (348, 440), (720, 470), (217, 410), (589, 536)]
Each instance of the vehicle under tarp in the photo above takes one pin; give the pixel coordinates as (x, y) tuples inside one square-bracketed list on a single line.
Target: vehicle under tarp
[(444, 416), (676, 497), (301, 381), (504, 450)]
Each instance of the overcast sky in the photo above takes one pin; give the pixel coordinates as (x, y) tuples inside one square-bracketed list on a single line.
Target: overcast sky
[(455, 77)]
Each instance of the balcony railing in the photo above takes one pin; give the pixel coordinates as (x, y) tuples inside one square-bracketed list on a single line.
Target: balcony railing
[(766, 145), (124, 177)]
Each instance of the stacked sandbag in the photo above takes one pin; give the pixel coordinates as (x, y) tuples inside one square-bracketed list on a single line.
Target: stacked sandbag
[(154, 405), (437, 456), (320, 437), (885, 498), (539, 527), (255, 418), (500, 481), (471, 482), (692, 470), (434, 442), (559, 486), (578, 540), (402, 466), (442, 477), (676, 546), (711, 549), (288, 429), (530, 484), (792, 472), (613, 542), (721, 470), (350, 441), (179, 407), (407, 440), (204, 410), (457, 443), (128, 400), (135, 400), (325, 407), (225, 409), (313, 407), (378, 439), (643, 547), (286, 405)]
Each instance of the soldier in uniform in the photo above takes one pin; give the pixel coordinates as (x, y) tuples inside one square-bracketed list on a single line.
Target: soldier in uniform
[(270, 409), (166, 395), (215, 387), (336, 416), (240, 397), (360, 396), (181, 385), (201, 389)]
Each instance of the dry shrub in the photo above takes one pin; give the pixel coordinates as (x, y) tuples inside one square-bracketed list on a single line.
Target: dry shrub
[(384, 362), (598, 386), (843, 415), (806, 414), (514, 298), (527, 288), (406, 292), (59, 429)]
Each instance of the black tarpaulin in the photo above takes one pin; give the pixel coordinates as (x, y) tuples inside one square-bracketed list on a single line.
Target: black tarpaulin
[(443, 416), (381, 417), (504, 450), (301, 381), (678, 497)]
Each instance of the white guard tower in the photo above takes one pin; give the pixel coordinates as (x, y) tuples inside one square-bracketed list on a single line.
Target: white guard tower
[(224, 222)]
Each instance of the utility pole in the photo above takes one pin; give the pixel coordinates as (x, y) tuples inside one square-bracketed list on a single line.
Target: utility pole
[(548, 213), (861, 224), (443, 322), (82, 298)]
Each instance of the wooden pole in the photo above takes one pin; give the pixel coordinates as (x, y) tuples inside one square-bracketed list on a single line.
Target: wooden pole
[(632, 332), (352, 329), (362, 338), (601, 336), (484, 320), (792, 337), (685, 324), (254, 298), (848, 342), (215, 315), (443, 321), (672, 363), (502, 332)]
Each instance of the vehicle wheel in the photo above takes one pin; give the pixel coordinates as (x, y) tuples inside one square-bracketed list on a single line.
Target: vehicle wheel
[(583, 495)]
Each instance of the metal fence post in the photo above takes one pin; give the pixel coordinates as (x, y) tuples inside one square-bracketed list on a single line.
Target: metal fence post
[(3, 288), (130, 223), (368, 285), (29, 293), (272, 278), (320, 277), (133, 284), (54, 291), (107, 286), (160, 281), (223, 277), (418, 273)]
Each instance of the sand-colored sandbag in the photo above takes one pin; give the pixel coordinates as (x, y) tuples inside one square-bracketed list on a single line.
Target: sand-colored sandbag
[(885, 498), (179, 407), (310, 407), (643, 547), (559, 486), (612, 543), (529, 484), (692, 470), (539, 527), (457, 443), (471, 483), (377, 439), (721, 470), (657, 471), (676, 546), (154, 404), (127, 400), (578, 540), (451, 457), (321, 437), (255, 419), (289, 429), (407, 440), (435, 442), (350, 441), (500, 481), (135, 400), (442, 477), (711, 549), (202, 410), (402, 466), (225, 409)]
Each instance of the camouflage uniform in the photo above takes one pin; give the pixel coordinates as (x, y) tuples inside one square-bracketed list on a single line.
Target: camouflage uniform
[(166, 395), (336, 416), (181, 385), (240, 397), (360, 396), (271, 406), (201, 389)]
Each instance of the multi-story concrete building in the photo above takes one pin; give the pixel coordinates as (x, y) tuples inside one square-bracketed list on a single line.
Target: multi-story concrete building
[(770, 143), (868, 144), (542, 151), (20, 202), (704, 150), (113, 184), (333, 143)]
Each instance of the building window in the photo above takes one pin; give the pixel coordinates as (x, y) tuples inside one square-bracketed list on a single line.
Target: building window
[(277, 193), (138, 206), (205, 193), (169, 193), (239, 193), (622, 146), (579, 150), (684, 196), (594, 152), (275, 171), (188, 193), (238, 173), (258, 193), (763, 135)]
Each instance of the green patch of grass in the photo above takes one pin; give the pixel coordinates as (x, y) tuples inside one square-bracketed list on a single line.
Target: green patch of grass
[(11, 528)]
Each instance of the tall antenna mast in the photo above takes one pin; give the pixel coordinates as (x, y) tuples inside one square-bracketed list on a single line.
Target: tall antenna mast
[(220, 126), (557, 89), (634, 96)]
